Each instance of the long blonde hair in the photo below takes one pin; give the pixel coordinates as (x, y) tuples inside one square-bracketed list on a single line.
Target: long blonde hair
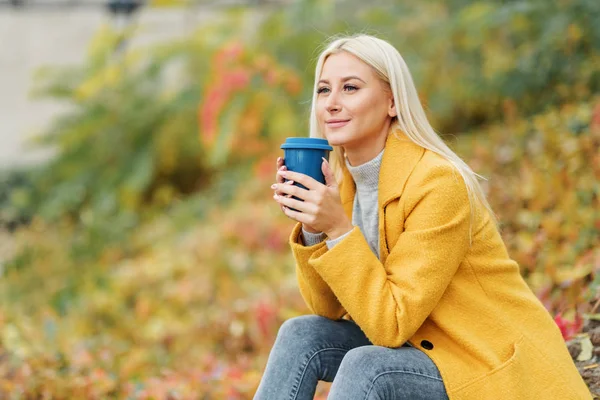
[(411, 119)]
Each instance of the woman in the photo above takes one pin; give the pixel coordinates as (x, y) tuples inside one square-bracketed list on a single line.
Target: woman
[(414, 294)]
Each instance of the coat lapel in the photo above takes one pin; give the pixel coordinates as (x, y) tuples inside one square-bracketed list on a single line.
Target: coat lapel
[(400, 157)]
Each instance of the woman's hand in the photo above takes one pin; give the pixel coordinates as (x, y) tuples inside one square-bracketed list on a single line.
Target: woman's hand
[(280, 180), (321, 209)]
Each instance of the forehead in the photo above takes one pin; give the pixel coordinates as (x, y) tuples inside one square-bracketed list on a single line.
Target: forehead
[(342, 64)]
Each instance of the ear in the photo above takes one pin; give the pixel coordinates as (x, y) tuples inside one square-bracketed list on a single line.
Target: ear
[(392, 107)]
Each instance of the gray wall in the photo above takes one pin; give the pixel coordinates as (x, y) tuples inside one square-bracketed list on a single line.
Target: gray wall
[(35, 36)]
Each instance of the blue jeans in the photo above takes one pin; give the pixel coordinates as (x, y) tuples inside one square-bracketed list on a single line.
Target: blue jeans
[(312, 348)]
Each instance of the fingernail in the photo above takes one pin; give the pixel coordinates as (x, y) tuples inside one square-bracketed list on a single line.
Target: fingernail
[(289, 182), (275, 196), (278, 159), (273, 186), (323, 158)]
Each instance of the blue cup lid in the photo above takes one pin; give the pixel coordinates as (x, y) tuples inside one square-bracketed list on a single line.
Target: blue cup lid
[(306, 143)]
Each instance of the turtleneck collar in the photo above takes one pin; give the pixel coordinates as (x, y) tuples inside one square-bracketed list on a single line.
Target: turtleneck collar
[(366, 176)]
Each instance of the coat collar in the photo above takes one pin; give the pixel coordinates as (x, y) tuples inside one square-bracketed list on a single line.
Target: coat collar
[(400, 157)]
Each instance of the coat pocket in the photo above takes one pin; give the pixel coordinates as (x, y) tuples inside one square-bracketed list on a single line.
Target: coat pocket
[(475, 385), (525, 375)]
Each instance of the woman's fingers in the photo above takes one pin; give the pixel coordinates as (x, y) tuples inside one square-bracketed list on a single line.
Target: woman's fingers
[(280, 167), (279, 178), (290, 203), (280, 191), (308, 182)]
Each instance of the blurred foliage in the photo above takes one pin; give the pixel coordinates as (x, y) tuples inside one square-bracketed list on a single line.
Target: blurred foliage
[(544, 184), (192, 310), (149, 259), (129, 141)]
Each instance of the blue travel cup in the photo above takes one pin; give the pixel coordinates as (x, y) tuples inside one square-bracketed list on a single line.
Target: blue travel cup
[(304, 155)]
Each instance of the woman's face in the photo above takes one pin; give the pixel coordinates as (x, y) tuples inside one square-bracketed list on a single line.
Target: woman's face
[(354, 107)]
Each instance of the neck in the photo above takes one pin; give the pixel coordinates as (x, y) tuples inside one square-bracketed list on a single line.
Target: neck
[(366, 152)]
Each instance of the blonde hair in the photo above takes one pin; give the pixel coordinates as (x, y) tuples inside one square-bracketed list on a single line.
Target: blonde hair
[(411, 118)]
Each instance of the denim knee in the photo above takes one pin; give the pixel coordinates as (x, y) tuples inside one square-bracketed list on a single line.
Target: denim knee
[(374, 361), (377, 372), (297, 331), (360, 362)]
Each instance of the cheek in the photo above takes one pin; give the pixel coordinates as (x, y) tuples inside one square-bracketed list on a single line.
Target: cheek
[(367, 109), (320, 109), (374, 109)]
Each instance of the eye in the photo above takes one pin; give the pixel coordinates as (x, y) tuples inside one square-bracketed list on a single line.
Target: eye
[(350, 88), (322, 89)]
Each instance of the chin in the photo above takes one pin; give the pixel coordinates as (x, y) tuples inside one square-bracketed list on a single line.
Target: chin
[(335, 141), (336, 138)]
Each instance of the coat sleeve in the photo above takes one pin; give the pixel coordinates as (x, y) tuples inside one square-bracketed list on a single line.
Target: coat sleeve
[(391, 301), (317, 295)]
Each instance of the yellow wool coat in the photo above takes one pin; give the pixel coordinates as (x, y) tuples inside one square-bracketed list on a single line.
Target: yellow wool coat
[(464, 304)]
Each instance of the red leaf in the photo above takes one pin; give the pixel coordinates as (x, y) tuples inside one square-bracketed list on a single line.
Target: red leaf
[(568, 329)]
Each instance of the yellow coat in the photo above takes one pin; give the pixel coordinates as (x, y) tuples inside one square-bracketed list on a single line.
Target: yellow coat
[(466, 306)]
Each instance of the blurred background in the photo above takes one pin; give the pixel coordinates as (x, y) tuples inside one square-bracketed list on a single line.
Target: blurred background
[(141, 253)]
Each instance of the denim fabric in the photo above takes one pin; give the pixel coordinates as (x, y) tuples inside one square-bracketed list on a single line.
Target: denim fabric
[(312, 348)]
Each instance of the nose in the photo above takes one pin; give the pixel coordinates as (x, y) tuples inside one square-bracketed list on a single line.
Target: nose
[(332, 104)]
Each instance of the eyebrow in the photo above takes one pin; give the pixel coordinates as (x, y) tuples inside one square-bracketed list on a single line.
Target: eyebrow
[(347, 78)]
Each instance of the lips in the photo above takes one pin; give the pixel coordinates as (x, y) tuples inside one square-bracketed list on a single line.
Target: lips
[(336, 123)]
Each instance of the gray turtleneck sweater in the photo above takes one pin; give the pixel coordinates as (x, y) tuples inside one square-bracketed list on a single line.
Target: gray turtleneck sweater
[(364, 211)]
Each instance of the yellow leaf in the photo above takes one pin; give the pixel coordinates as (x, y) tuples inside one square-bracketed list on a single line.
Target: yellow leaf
[(587, 349)]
